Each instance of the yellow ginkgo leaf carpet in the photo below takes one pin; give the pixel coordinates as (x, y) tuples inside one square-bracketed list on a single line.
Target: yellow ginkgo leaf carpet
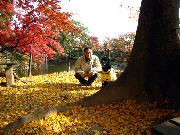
[(58, 89)]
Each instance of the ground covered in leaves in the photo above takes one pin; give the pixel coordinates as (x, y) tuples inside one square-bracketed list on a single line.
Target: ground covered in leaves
[(57, 89)]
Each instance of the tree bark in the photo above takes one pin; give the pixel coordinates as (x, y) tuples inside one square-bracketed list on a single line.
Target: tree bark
[(154, 63)]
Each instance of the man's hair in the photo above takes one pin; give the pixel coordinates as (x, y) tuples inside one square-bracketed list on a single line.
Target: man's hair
[(86, 48)]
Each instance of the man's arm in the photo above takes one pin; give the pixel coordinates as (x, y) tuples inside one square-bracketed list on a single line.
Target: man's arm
[(78, 68)]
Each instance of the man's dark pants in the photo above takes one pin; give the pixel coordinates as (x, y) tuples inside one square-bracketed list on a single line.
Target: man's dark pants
[(83, 81)]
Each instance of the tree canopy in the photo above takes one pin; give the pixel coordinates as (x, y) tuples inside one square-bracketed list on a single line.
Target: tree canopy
[(33, 26)]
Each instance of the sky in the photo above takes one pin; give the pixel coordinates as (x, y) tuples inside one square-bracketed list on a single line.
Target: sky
[(103, 18)]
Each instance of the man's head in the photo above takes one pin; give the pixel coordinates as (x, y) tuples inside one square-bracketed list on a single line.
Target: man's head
[(87, 53)]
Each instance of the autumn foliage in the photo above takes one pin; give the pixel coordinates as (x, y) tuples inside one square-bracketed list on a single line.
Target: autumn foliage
[(51, 90), (33, 26)]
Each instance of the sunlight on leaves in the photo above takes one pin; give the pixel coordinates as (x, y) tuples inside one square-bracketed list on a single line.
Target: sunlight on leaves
[(57, 89)]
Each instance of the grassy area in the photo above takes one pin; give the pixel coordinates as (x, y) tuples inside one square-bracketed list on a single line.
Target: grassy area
[(59, 88)]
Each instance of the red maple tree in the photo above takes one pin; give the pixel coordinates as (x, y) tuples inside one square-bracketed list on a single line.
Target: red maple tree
[(33, 26)]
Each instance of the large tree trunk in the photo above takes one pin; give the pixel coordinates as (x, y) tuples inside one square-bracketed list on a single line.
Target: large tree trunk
[(153, 69), (154, 65)]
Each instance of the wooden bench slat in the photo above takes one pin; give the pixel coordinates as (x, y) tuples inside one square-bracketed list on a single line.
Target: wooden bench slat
[(166, 128), (175, 121)]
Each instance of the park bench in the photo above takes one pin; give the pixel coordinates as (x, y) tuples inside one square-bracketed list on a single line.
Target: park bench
[(169, 127)]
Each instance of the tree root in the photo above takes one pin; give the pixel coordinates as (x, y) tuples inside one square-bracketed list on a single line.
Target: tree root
[(37, 114)]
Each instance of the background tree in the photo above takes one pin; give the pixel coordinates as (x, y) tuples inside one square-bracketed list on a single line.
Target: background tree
[(73, 40), (73, 43), (120, 47), (95, 43)]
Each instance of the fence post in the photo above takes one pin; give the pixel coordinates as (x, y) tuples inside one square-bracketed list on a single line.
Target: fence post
[(30, 64), (109, 54), (69, 62)]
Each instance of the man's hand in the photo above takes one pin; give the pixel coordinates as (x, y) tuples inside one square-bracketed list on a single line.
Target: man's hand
[(88, 74)]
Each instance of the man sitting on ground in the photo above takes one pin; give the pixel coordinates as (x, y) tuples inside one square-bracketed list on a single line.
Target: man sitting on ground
[(87, 67)]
